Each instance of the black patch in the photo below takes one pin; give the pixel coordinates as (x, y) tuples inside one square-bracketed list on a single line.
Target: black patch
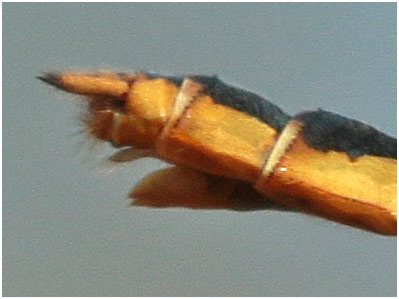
[(244, 101), (325, 131)]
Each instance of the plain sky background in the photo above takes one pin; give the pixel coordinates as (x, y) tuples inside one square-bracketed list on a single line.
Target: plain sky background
[(67, 230)]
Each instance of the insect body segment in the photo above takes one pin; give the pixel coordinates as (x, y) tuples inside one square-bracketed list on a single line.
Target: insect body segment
[(216, 138), (317, 161), (359, 191)]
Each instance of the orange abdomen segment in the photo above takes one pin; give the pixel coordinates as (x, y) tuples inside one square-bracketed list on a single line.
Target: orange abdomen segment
[(218, 139), (360, 192)]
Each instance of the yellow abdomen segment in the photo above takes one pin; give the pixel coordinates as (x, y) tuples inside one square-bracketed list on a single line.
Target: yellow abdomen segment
[(360, 192), (369, 178), (152, 99), (218, 139)]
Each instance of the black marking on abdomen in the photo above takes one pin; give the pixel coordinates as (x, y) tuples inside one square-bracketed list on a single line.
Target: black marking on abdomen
[(244, 101), (325, 131)]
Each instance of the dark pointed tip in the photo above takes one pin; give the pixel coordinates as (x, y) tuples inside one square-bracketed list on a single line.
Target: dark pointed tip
[(51, 78)]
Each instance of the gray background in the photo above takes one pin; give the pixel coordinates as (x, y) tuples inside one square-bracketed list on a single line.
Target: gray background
[(66, 226)]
